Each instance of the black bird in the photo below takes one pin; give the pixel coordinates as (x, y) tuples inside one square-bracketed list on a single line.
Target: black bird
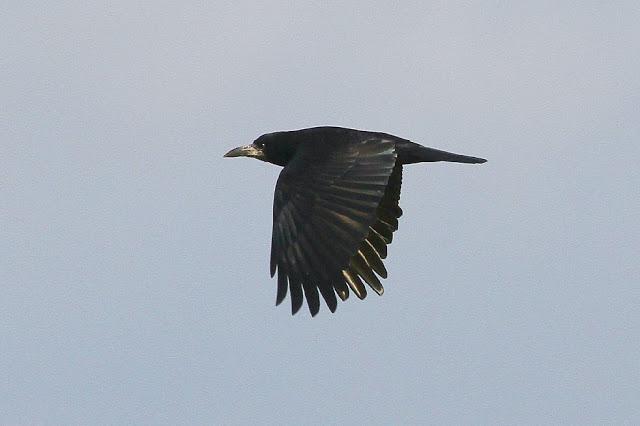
[(335, 207)]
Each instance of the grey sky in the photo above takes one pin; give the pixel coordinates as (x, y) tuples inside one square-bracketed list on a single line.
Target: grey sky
[(134, 259)]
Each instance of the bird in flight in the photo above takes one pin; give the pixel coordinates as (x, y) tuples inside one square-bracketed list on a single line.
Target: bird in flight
[(335, 208)]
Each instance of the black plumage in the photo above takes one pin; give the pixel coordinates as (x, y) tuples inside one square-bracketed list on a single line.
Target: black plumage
[(335, 208)]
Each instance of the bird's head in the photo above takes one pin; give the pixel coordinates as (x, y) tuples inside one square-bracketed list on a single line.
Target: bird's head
[(276, 148)]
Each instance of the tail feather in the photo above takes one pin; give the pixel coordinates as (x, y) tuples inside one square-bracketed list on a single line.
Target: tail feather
[(410, 152), (431, 154)]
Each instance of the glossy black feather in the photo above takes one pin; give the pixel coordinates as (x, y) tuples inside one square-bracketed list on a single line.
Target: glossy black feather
[(329, 295), (324, 204)]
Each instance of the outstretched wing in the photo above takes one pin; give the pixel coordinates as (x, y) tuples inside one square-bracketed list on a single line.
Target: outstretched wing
[(335, 209)]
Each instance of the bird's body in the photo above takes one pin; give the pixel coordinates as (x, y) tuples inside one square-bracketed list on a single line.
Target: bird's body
[(335, 207)]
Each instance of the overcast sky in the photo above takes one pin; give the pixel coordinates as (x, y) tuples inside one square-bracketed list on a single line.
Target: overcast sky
[(134, 258)]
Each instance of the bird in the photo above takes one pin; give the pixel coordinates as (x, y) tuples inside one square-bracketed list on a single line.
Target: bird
[(335, 208)]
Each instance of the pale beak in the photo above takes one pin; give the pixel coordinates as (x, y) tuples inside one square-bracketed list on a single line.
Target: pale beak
[(245, 151)]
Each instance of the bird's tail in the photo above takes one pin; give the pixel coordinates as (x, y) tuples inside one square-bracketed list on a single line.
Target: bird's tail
[(410, 152), (431, 154)]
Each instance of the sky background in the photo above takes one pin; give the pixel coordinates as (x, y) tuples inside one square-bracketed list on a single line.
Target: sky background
[(134, 258)]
